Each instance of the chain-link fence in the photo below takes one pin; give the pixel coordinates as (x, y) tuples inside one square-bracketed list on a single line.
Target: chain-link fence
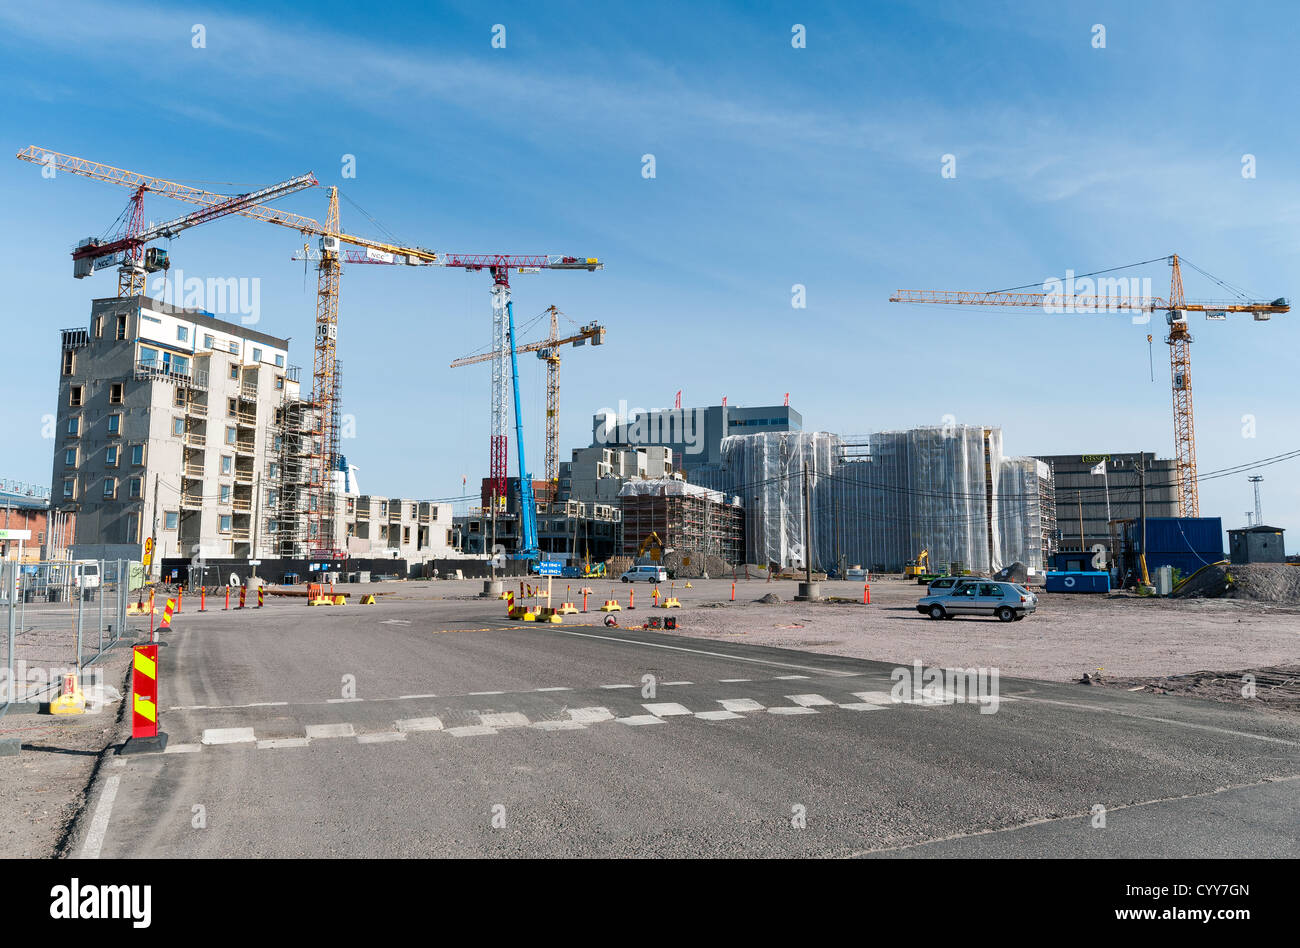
[(58, 617)]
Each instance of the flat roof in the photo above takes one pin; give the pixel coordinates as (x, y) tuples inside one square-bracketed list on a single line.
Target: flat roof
[(203, 318)]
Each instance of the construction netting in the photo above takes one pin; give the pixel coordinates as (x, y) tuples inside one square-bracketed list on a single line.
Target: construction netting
[(943, 489)]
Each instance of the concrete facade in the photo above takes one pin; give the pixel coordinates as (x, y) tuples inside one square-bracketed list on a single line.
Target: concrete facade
[(694, 434), (159, 428), (1078, 488)]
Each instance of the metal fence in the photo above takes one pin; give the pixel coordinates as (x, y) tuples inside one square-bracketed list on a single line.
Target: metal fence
[(60, 616)]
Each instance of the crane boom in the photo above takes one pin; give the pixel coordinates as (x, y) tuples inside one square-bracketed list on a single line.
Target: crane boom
[(1179, 341)]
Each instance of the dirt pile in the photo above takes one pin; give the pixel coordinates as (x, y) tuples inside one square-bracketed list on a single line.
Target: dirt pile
[(715, 566), (1259, 582), (1276, 686)]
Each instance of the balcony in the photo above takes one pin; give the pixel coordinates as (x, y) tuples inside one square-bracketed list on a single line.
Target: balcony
[(191, 500), (243, 476), (195, 440), (240, 533), (161, 372), (194, 470), (197, 409), (242, 504), (245, 447), (246, 418), (248, 390)]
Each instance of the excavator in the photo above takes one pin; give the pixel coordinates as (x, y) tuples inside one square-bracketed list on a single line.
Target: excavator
[(918, 567), (653, 546)]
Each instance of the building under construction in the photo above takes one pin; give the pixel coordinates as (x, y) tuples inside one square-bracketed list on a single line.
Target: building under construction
[(688, 519)]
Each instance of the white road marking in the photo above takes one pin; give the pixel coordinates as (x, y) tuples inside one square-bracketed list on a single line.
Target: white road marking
[(561, 688), (227, 707), (638, 719), (862, 706), (408, 697), (732, 681), (798, 709), (394, 621), (666, 708), (788, 677), (876, 697), (700, 651), (228, 735), (471, 730), (342, 700), (616, 686), (475, 694), (316, 731), (591, 715), (419, 724), (283, 742), (182, 748), (740, 704), (717, 715), (810, 701), (381, 737), (504, 719), (99, 824), (679, 682), (1149, 717), (560, 726)]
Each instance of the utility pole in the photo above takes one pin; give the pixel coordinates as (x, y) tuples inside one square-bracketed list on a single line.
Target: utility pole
[(1142, 514), (153, 537), (257, 513), (1259, 511), (1083, 546), (807, 589)]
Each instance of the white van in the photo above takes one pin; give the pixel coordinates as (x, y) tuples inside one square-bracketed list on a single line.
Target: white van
[(87, 574), (645, 574)]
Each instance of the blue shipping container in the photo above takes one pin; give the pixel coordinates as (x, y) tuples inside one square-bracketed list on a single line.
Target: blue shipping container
[(1203, 535), (1078, 582), (1185, 563)]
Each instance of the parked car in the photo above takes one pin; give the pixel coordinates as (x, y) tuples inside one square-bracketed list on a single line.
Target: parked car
[(645, 574), (1008, 601), (947, 582)]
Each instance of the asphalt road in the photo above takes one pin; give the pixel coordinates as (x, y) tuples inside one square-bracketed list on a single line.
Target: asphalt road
[(436, 728)]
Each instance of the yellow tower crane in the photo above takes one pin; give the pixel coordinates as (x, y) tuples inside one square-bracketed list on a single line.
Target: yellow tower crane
[(1176, 308), (548, 350)]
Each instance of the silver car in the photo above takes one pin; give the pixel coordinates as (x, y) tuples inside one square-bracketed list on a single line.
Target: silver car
[(1008, 601)]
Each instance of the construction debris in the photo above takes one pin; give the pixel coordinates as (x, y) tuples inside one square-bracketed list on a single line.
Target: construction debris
[(1259, 582)]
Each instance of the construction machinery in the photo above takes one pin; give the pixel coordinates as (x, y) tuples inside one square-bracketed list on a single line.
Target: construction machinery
[(1175, 306), (651, 546), (917, 567), (548, 350)]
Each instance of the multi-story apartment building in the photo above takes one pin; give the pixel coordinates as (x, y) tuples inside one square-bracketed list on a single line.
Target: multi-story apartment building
[(161, 431)]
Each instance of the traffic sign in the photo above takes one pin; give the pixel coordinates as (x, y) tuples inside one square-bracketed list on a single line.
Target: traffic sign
[(550, 568), (148, 550)]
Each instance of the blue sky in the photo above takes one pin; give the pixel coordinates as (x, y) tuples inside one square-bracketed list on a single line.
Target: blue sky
[(775, 166)]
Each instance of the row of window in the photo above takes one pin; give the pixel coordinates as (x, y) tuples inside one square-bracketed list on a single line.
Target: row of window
[(135, 487), (112, 455), (74, 425), (76, 394)]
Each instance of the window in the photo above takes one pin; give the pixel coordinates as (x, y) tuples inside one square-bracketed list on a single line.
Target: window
[(170, 519), (178, 426), (115, 393), (225, 523), (225, 494), (227, 464), (74, 396), (74, 426), (230, 436), (110, 456), (279, 382), (70, 457), (69, 487), (234, 372), (257, 354), (208, 341), (148, 356), (273, 470), (137, 454), (183, 333), (234, 348), (132, 528), (272, 497), (135, 486), (279, 362), (110, 487), (68, 362), (99, 327), (232, 407), (179, 398), (114, 424), (121, 327)]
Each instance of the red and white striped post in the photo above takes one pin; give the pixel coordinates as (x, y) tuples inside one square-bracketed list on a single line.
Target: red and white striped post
[(243, 592)]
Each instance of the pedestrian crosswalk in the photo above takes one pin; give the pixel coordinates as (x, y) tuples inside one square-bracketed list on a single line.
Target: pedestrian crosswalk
[(627, 712)]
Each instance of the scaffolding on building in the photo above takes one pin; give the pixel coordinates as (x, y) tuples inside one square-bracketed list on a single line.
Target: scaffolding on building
[(288, 462), (688, 519)]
